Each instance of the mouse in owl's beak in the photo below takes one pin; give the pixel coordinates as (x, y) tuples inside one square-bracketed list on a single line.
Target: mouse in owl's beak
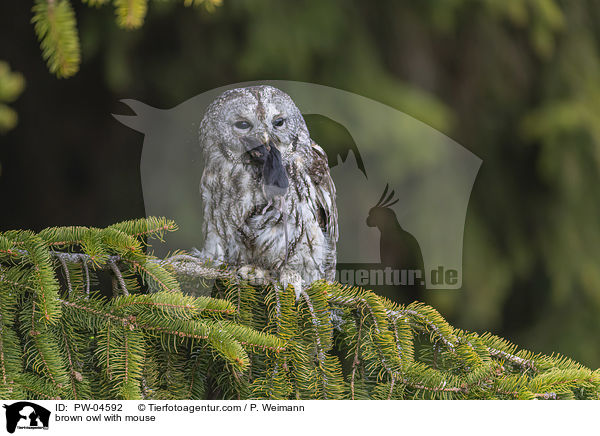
[(266, 156)]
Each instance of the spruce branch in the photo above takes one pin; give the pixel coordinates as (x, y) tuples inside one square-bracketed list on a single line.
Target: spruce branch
[(118, 275), (130, 13), (56, 29), (254, 342)]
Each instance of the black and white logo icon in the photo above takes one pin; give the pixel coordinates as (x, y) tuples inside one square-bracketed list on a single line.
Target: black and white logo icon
[(26, 415)]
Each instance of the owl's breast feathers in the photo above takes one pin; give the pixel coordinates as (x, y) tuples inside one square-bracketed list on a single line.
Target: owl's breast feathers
[(239, 230)]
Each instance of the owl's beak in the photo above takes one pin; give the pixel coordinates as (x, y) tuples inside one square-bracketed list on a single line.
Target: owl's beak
[(253, 142), (250, 142)]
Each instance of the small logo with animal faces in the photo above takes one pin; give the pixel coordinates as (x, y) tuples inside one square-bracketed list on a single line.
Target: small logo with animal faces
[(26, 415)]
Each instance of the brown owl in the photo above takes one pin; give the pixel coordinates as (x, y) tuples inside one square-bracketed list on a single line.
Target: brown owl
[(268, 197)]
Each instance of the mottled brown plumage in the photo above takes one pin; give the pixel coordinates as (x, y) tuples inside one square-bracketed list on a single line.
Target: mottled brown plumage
[(242, 226)]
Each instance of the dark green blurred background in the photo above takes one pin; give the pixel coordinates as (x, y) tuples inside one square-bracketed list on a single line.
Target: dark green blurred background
[(516, 82)]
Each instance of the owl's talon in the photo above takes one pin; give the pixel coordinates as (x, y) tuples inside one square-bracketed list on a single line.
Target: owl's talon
[(196, 253), (289, 277), (253, 275)]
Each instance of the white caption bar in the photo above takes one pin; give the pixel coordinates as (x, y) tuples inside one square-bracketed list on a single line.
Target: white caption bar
[(90, 418)]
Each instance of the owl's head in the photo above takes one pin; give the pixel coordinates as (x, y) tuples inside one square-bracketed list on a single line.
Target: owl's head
[(240, 118)]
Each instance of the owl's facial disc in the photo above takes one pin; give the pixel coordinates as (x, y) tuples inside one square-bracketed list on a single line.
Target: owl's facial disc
[(256, 112)]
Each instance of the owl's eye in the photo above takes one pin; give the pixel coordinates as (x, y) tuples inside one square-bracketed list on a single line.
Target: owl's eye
[(278, 122), (242, 125)]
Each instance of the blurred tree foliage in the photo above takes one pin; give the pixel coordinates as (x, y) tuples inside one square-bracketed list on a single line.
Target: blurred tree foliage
[(516, 82), (11, 86), (56, 28)]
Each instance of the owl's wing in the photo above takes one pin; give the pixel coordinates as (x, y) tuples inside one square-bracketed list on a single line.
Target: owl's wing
[(325, 193)]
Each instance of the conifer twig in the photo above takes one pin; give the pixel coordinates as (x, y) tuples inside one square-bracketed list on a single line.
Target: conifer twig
[(119, 276), (355, 361), (84, 263), (524, 363), (67, 275)]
